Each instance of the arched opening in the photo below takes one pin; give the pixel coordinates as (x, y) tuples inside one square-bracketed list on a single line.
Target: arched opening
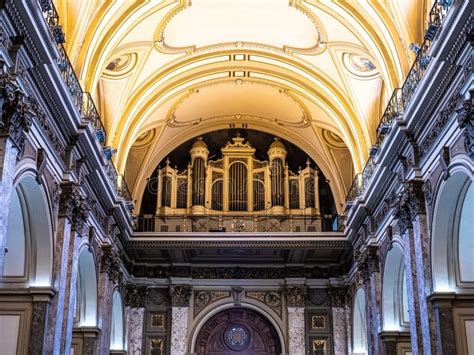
[(394, 292), (452, 243), (29, 259), (237, 331), (86, 298), (117, 340), (359, 323)]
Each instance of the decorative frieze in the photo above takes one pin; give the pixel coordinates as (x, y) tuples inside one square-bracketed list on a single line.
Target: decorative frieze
[(235, 272), (180, 295), (271, 298), (295, 296)]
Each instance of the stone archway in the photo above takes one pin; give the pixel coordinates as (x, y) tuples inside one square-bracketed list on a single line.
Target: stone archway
[(238, 331)]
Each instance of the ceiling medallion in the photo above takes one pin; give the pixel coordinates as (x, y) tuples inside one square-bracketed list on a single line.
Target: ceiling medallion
[(237, 337), (359, 65), (121, 65), (145, 138), (333, 140)]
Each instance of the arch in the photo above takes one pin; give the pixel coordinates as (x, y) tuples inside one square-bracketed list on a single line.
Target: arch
[(452, 218), (200, 323), (237, 330), (29, 235), (117, 338), (86, 299), (394, 292), (359, 324)]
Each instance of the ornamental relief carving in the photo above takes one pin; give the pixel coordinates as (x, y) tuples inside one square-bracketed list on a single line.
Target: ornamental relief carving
[(204, 298), (295, 296), (74, 206), (409, 203), (180, 295), (162, 46), (272, 299), (368, 262)]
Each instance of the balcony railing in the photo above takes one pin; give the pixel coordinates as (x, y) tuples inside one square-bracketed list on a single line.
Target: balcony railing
[(82, 100), (238, 223), (401, 97)]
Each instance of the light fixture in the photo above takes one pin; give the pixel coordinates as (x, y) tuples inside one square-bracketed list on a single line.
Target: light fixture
[(445, 3), (100, 135), (415, 48), (109, 152)]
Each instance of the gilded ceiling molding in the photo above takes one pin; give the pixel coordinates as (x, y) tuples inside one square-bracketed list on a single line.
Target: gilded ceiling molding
[(305, 121), (161, 45)]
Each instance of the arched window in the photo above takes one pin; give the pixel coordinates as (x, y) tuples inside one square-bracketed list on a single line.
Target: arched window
[(15, 257), (452, 243), (465, 237), (86, 297), (359, 323), (29, 238), (394, 292), (117, 340)]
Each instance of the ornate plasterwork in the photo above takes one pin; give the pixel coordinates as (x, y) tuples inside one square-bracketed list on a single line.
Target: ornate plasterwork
[(161, 45), (359, 65), (172, 119), (120, 65)]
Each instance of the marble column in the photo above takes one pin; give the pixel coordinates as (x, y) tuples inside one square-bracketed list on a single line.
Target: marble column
[(8, 155), (341, 328), (295, 301), (369, 270), (73, 213), (180, 296), (412, 222), (134, 320), (108, 277)]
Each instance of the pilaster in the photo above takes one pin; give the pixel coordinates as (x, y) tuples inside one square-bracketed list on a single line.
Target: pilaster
[(369, 270), (341, 317), (412, 221), (180, 296), (295, 300), (135, 317), (73, 212)]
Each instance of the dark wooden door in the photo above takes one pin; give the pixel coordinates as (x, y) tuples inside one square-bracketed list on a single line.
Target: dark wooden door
[(238, 331)]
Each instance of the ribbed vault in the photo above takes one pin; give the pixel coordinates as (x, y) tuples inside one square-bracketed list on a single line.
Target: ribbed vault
[(316, 73)]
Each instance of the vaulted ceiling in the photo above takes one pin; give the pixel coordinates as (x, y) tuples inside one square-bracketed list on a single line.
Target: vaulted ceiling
[(317, 73)]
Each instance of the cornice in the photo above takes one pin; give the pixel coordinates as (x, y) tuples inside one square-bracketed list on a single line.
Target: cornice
[(236, 242)]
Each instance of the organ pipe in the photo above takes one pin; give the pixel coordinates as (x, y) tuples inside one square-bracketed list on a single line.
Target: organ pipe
[(237, 183)]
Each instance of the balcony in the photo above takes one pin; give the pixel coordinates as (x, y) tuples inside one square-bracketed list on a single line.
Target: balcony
[(400, 98), (238, 223), (83, 101)]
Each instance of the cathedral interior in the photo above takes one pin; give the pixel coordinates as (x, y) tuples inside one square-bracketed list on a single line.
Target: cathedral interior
[(236, 177)]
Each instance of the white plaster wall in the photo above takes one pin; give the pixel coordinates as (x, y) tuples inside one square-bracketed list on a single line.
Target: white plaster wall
[(9, 329)]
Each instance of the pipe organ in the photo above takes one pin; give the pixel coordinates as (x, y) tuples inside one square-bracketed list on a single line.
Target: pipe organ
[(237, 183)]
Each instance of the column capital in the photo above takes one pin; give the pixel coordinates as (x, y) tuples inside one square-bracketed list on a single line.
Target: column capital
[(111, 262), (368, 262), (135, 296), (73, 205), (180, 295), (339, 296), (409, 203), (15, 108), (295, 296)]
